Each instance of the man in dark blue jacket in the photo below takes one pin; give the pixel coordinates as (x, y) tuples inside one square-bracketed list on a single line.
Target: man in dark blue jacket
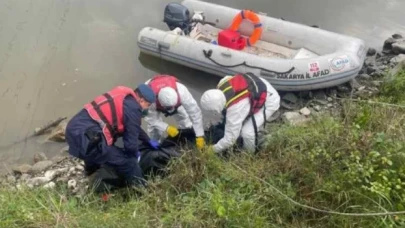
[(91, 134)]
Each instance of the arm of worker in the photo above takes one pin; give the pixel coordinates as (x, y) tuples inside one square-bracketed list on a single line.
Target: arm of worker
[(155, 121), (235, 115), (192, 109), (132, 118)]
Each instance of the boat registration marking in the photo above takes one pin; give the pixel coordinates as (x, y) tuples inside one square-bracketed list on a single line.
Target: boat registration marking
[(339, 63), (313, 67)]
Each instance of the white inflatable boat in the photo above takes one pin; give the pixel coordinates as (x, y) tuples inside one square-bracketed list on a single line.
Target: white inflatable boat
[(291, 56)]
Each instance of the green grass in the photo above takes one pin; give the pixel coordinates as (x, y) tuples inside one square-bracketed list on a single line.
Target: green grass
[(354, 163), (393, 89)]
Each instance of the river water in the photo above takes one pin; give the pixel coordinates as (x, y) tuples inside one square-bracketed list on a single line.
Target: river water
[(56, 55)]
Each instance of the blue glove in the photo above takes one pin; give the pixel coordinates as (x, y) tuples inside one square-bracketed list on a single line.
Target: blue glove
[(154, 144), (138, 156)]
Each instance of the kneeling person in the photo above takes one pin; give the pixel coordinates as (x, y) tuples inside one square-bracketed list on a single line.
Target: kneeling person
[(173, 99), (245, 102), (91, 133)]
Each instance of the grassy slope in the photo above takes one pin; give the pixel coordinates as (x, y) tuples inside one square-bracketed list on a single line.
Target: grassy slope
[(351, 164)]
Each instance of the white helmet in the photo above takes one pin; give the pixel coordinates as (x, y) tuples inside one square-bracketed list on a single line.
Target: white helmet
[(212, 103), (168, 97), (213, 100)]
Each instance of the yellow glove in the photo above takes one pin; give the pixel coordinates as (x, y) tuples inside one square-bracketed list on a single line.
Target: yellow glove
[(200, 142), (172, 131)]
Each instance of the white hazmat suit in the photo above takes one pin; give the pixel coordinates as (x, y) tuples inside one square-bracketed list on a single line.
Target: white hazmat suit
[(188, 114), (213, 102)]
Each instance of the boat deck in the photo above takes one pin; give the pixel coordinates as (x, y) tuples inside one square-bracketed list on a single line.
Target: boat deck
[(209, 33)]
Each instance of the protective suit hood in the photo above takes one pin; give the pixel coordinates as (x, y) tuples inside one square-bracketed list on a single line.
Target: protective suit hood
[(168, 97), (213, 100), (212, 104)]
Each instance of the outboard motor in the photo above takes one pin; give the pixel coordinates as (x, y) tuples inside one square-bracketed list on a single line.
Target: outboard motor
[(177, 15)]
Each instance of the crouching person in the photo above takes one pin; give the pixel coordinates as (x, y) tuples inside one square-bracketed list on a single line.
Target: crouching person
[(173, 99), (92, 133), (243, 103)]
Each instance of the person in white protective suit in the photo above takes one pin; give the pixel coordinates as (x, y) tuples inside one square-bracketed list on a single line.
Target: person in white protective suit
[(173, 99), (244, 102)]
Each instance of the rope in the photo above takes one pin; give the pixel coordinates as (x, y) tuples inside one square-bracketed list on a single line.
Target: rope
[(208, 55), (317, 209)]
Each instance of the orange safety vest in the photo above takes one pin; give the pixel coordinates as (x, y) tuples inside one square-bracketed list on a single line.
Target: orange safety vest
[(244, 86), (159, 82), (107, 110)]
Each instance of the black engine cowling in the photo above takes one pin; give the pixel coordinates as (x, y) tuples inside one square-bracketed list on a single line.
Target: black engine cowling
[(177, 15)]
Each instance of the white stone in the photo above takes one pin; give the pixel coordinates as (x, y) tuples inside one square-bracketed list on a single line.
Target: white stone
[(62, 179), (398, 59), (37, 181), (50, 174), (305, 111), (361, 88), (50, 185), (294, 118), (72, 184), (19, 187)]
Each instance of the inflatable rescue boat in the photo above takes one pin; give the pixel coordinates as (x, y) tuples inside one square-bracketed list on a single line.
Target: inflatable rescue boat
[(225, 41)]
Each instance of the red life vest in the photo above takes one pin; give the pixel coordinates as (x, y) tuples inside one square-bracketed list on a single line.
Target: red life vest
[(107, 110), (161, 81), (244, 86)]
